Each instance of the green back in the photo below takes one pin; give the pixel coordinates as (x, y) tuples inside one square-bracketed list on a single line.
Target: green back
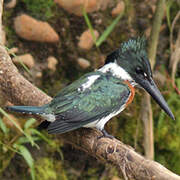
[(74, 107)]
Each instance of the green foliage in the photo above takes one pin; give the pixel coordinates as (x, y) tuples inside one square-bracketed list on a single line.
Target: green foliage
[(87, 20), (49, 169), (3, 126), (8, 28), (106, 32), (167, 136), (28, 158), (178, 83), (16, 125), (42, 8), (18, 146), (45, 169)]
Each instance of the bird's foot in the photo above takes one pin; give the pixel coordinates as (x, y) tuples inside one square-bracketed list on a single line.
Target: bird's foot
[(105, 135)]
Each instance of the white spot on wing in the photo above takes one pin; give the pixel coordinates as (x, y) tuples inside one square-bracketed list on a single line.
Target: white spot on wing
[(49, 117), (145, 75), (91, 80), (116, 71)]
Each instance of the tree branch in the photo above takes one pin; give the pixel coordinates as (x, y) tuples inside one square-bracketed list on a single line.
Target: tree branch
[(13, 84), (129, 163), (154, 36), (146, 110), (18, 90)]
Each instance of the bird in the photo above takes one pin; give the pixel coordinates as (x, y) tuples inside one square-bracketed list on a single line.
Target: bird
[(96, 97)]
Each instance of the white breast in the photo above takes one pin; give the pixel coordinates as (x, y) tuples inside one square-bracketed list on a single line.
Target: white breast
[(99, 124)]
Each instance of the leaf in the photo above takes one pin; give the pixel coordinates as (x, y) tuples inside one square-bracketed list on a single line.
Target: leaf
[(24, 140), (51, 143), (108, 30), (23, 65), (34, 131), (9, 147), (3, 127), (29, 123), (106, 33), (26, 154), (89, 25), (17, 126), (28, 158)]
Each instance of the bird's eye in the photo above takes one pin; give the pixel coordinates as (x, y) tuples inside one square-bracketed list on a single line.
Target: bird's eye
[(139, 70)]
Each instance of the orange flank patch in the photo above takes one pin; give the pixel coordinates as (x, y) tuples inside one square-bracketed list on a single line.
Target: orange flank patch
[(132, 93)]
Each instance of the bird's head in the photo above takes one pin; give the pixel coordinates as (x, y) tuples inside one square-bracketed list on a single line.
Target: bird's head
[(132, 59)]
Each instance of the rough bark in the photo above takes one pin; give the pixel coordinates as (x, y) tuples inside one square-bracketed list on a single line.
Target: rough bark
[(18, 89), (129, 163)]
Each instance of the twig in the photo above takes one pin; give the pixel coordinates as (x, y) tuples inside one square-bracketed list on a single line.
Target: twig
[(172, 30), (174, 54), (146, 113), (154, 36)]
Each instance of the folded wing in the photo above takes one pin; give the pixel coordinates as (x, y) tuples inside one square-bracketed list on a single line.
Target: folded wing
[(75, 107)]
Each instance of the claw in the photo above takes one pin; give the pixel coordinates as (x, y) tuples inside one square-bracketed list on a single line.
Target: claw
[(105, 135)]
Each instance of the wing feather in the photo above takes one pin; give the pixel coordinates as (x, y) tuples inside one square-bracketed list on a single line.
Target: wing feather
[(75, 108)]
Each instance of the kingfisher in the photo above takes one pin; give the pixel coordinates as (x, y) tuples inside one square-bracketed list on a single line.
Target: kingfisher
[(96, 97)]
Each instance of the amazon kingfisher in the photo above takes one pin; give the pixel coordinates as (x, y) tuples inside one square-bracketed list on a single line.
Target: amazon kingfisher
[(96, 97)]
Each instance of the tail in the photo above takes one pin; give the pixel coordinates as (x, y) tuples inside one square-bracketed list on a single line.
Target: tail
[(31, 110), (27, 109)]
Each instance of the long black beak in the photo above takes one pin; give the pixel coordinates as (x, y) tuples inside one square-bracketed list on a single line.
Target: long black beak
[(150, 86)]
